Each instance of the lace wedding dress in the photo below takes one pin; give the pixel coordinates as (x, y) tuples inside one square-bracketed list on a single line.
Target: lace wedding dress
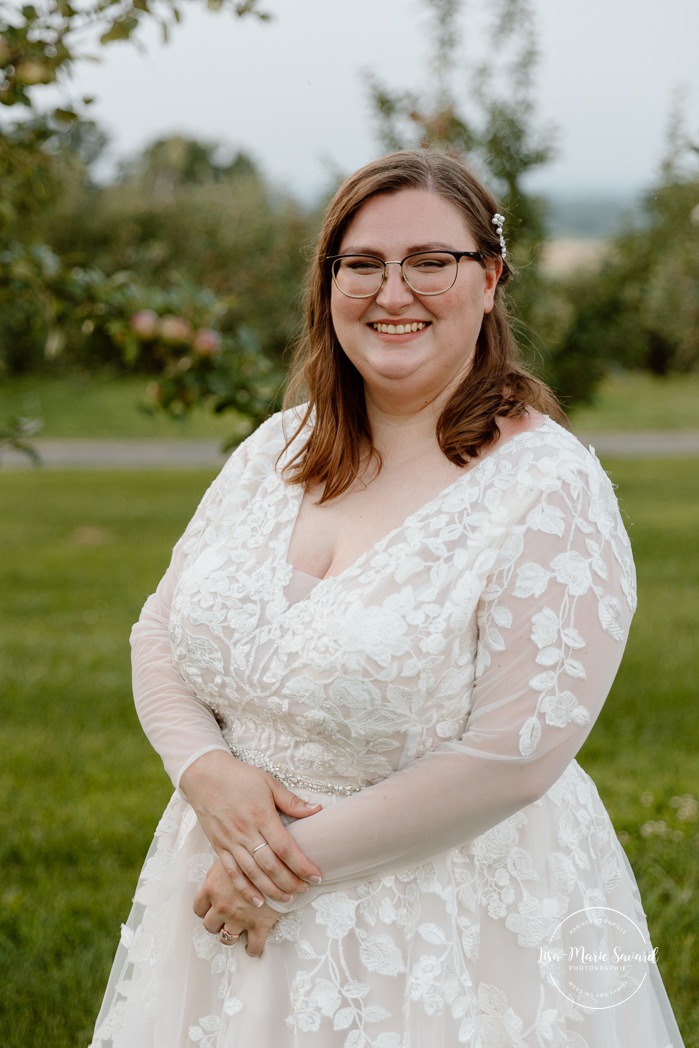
[(432, 697)]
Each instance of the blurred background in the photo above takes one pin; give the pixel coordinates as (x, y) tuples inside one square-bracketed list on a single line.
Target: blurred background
[(163, 169)]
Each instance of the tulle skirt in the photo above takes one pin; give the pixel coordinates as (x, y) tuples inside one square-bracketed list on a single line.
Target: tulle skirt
[(530, 936)]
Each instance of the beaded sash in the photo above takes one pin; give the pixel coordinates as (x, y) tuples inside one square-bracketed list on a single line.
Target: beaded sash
[(289, 778)]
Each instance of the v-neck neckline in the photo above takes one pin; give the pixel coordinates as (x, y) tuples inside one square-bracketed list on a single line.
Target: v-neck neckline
[(385, 539)]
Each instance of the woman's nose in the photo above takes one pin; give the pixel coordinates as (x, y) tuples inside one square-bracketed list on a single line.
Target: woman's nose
[(394, 290)]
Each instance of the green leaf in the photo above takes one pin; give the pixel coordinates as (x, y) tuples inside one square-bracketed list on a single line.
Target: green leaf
[(120, 30), (65, 116)]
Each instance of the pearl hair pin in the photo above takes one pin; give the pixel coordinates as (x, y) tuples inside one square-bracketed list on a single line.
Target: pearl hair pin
[(498, 221)]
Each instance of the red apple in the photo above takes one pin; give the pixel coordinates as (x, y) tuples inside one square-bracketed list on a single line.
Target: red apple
[(145, 324), (206, 342), (175, 331)]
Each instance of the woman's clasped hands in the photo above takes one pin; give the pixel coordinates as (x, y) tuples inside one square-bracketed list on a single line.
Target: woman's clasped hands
[(239, 808), (226, 913)]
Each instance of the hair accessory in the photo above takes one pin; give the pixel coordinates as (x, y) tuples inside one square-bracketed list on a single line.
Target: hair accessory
[(498, 221)]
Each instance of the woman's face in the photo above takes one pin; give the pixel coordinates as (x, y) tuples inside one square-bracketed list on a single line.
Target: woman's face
[(402, 367)]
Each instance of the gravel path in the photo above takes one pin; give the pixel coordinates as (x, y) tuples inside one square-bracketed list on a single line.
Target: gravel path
[(194, 454)]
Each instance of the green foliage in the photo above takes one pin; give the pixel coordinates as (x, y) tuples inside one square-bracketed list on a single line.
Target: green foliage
[(488, 116), (55, 308), (180, 212), (184, 333), (17, 433), (496, 130), (187, 267), (40, 42), (39, 45), (640, 309), (81, 791)]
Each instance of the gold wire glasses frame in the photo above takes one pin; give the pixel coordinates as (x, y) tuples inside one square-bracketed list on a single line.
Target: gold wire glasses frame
[(363, 276)]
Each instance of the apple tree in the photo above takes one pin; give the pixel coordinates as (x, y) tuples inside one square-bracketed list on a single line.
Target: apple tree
[(40, 43)]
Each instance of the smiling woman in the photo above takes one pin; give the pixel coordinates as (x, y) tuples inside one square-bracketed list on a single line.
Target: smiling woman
[(381, 210), (406, 602)]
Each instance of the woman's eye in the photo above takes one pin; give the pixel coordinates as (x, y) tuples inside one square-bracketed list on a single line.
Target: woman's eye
[(363, 265), (430, 263)]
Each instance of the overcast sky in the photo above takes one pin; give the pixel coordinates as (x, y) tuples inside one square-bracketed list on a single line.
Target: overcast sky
[(291, 92)]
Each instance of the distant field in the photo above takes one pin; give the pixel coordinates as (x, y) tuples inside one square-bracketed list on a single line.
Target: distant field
[(571, 254), (108, 407), (81, 791)]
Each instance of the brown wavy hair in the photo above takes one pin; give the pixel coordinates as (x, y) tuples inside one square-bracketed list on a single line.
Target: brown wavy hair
[(497, 383)]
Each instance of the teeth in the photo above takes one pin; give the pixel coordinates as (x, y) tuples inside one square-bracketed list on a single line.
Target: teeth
[(398, 329)]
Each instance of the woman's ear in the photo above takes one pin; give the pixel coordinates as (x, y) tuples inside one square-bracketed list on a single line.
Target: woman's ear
[(493, 272)]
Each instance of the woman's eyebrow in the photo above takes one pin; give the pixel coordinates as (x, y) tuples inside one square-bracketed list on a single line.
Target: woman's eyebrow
[(432, 245)]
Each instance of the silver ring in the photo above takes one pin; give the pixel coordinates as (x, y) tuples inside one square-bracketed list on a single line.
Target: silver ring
[(227, 937), (263, 845)]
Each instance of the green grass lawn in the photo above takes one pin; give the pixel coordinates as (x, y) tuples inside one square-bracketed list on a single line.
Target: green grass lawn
[(102, 406), (105, 406), (81, 791), (641, 401)]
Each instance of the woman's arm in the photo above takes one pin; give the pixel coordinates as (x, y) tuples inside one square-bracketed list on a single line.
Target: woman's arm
[(237, 806), (553, 621)]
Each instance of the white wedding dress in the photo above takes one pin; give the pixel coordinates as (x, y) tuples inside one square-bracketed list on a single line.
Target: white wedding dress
[(432, 697)]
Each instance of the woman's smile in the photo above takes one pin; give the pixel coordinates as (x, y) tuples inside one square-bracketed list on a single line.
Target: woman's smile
[(405, 327)]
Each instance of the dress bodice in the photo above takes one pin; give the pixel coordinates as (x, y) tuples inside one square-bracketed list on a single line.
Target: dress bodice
[(348, 678)]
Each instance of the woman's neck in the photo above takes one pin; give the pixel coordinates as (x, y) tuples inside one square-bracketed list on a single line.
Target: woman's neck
[(398, 432)]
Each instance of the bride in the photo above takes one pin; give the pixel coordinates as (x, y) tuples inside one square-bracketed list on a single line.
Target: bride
[(379, 645)]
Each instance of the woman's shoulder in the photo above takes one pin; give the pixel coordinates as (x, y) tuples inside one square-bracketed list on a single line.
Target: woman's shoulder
[(545, 457), (548, 460), (270, 438), (546, 441)]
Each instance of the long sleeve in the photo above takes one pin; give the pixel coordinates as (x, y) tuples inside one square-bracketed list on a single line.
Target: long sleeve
[(553, 618), (177, 724)]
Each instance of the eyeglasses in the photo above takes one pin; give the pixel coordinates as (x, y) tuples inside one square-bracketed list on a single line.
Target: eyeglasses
[(425, 272)]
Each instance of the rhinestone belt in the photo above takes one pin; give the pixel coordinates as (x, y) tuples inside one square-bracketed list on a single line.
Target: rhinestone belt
[(289, 778)]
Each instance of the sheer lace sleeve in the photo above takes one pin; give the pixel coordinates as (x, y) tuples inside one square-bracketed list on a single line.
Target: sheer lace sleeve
[(553, 619), (177, 724)]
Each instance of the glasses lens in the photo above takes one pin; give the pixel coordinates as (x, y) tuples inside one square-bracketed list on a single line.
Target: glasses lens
[(431, 272), (358, 276)]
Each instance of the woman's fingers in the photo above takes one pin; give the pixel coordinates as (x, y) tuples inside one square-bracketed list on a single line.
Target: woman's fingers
[(238, 808), (229, 863), (280, 883), (284, 850), (202, 903), (250, 892), (257, 937), (289, 803), (228, 915)]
